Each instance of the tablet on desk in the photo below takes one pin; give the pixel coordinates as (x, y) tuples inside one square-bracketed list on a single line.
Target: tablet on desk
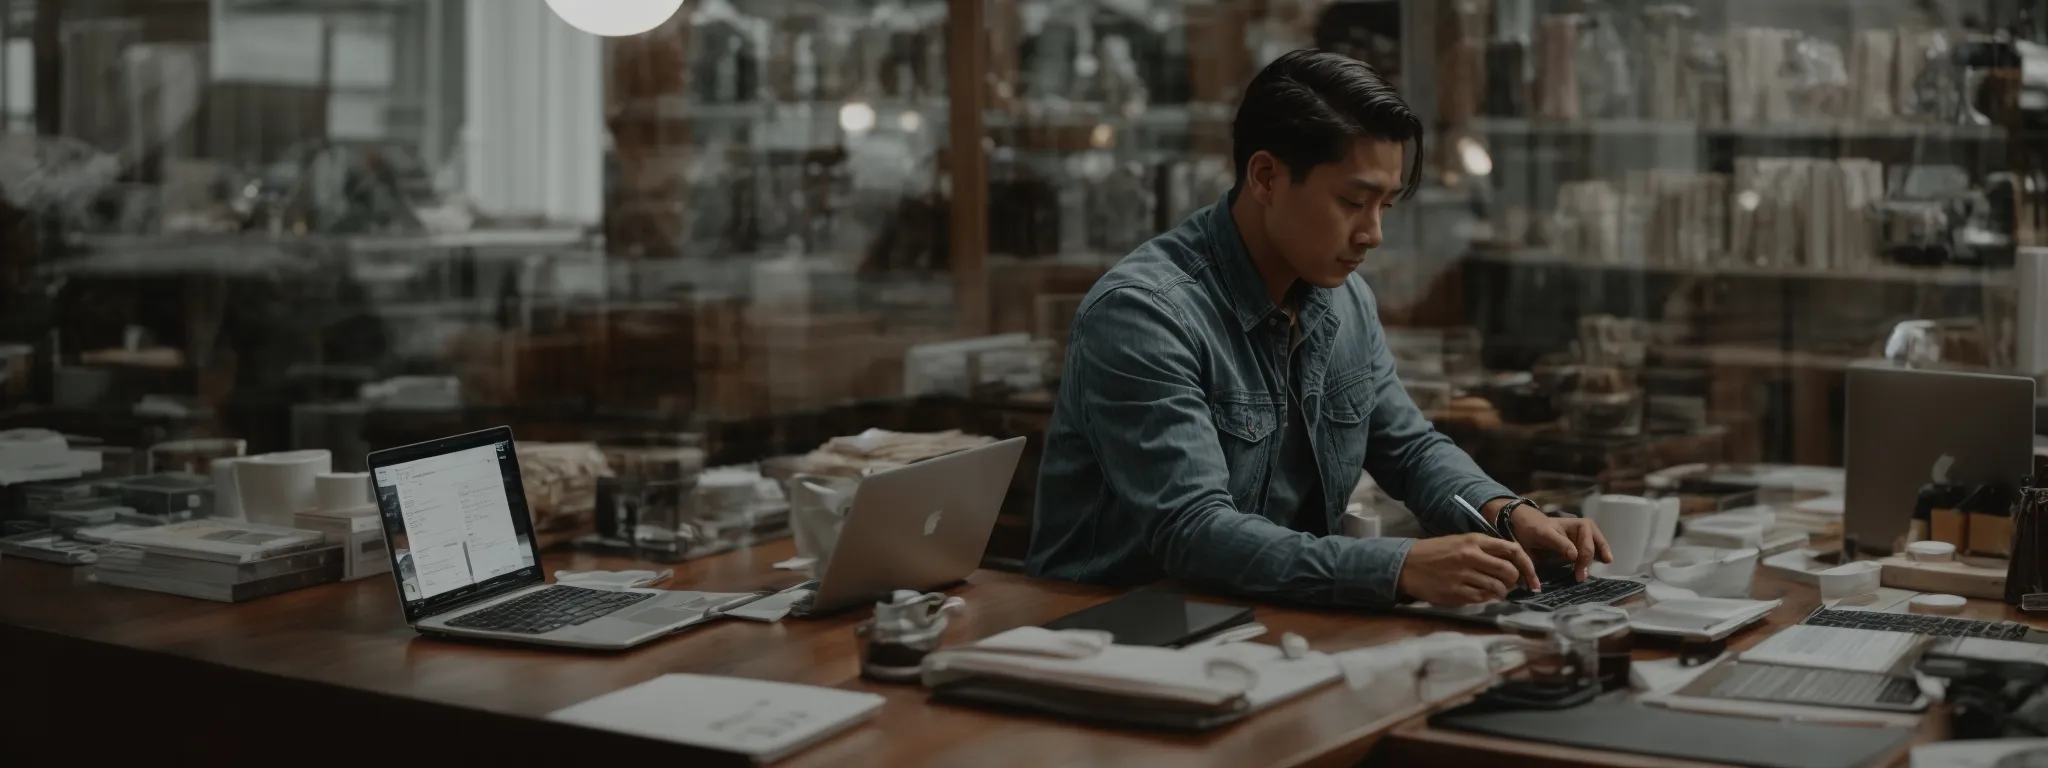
[(1155, 616)]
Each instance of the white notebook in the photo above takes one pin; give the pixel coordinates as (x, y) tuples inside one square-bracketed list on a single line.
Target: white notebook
[(762, 720)]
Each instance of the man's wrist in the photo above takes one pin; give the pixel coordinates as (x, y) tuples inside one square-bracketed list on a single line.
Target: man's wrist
[(1510, 512)]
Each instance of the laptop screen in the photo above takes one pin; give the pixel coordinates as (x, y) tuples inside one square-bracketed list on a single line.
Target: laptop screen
[(457, 522)]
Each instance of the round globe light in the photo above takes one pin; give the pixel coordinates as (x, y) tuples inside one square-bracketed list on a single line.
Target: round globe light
[(615, 18)]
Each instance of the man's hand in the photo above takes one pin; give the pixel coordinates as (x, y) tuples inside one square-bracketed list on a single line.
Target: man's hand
[(1578, 540), (1464, 569)]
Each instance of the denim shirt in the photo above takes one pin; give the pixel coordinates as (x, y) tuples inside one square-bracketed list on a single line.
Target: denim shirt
[(1165, 442)]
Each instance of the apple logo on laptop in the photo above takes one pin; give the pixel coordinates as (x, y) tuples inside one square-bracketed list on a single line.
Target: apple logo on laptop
[(931, 522)]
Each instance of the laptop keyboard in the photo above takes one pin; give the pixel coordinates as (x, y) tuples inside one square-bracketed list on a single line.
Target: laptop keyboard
[(1918, 624), (548, 610), (1590, 591), (1822, 687)]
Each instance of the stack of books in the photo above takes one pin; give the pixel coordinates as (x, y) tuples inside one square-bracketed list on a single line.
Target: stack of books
[(225, 560)]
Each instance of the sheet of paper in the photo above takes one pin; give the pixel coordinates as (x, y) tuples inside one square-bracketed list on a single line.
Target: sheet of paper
[(1855, 650), (760, 719), (1884, 600), (1995, 650), (1983, 753)]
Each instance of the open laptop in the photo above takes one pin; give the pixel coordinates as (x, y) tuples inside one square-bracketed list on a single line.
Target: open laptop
[(466, 564), (1899, 421), (919, 526)]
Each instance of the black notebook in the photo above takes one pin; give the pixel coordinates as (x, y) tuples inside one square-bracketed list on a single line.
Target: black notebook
[(1156, 616)]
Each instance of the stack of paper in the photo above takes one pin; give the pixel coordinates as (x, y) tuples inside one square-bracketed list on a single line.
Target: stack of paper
[(214, 559)]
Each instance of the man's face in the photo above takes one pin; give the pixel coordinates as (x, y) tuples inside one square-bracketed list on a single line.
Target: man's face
[(1324, 225)]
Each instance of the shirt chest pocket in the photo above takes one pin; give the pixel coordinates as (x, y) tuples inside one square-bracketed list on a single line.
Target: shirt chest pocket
[(1248, 427), (1347, 407)]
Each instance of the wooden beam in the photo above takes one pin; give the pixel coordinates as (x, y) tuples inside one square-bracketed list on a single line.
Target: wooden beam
[(966, 58)]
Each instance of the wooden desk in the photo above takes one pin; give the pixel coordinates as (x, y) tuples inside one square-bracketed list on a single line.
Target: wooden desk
[(181, 676), (312, 661)]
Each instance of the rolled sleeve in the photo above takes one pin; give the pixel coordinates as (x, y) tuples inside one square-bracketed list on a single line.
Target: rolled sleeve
[(1418, 465), (1148, 420)]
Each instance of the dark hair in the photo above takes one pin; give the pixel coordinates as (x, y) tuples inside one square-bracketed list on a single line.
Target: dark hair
[(1309, 105)]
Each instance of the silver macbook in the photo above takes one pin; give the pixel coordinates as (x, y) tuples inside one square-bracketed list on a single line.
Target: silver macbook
[(1900, 421), (466, 564), (919, 526)]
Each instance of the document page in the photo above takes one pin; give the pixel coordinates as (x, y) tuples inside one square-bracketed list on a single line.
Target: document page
[(458, 520), (1854, 650)]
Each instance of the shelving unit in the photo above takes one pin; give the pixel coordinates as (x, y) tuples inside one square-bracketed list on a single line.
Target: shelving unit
[(1962, 276), (1815, 129)]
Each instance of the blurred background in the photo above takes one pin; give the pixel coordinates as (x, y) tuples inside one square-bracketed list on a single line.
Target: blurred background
[(1653, 234)]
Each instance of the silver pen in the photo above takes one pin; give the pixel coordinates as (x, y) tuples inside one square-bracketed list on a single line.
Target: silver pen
[(1474, 511)]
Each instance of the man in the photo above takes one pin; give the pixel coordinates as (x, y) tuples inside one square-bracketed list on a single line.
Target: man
[(1226, 383)]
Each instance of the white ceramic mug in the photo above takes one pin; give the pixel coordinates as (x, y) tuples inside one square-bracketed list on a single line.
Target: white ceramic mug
[(1637, 529)]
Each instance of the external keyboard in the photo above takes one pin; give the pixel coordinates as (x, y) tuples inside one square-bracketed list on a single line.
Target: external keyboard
[(548, 610), (1820, 687), (1588, 592), (1918, 624)]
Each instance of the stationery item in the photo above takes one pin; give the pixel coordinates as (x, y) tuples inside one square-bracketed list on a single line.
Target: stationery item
[(1940, 605), (1484, 524), (359, 533), (1708, 572), (1980, 753), (49, 547), (774, 607), (1622, 726), (273, 487), (1931, 551), (146, 565), (613, 579), (1637, 529), (1850, 579), (1155, 616), (904, 629), (763, 720), (221, 591), (1855, 650), (1077, 673), (342, 490), (226, 541), (1734, 529)]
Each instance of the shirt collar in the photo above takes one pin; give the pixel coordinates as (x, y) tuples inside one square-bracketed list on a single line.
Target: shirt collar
[(1244, 286)]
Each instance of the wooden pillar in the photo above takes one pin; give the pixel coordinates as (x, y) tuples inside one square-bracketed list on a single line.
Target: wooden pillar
[(966, 56)]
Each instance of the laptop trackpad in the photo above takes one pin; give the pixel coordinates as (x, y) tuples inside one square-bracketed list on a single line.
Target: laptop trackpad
[(656, 616)]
